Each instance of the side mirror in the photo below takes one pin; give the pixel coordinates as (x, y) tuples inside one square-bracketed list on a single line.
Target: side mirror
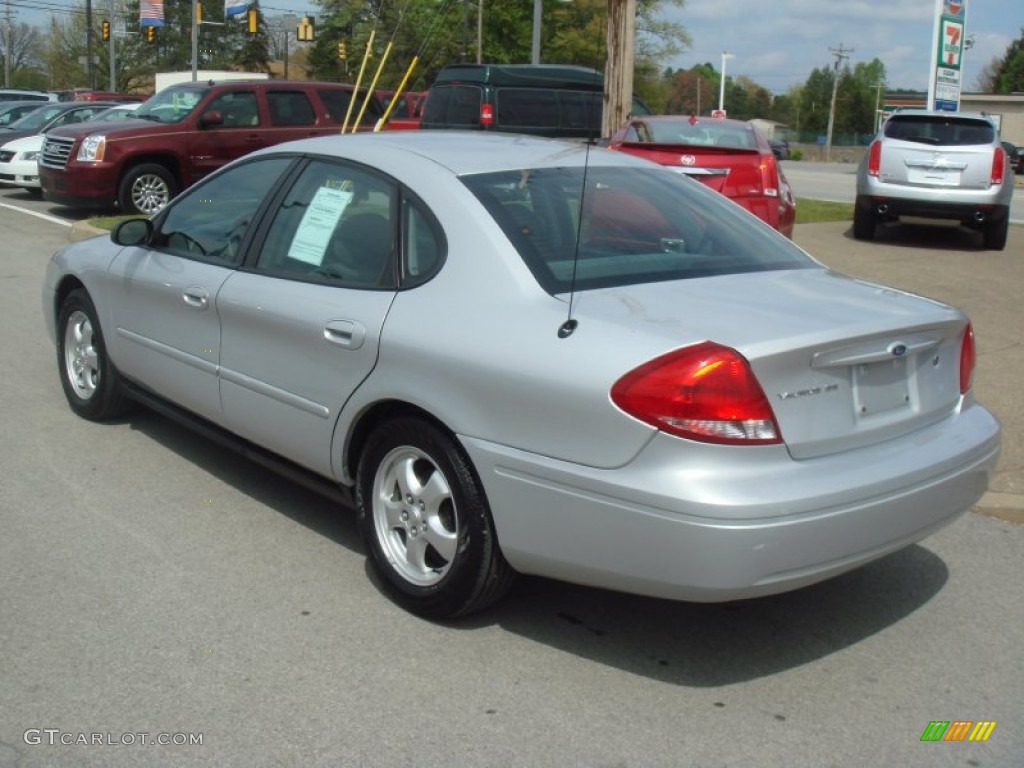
[(211, 119), (132, 232)]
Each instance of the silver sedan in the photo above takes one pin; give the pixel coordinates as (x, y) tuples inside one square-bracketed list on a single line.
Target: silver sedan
[(518, 355)]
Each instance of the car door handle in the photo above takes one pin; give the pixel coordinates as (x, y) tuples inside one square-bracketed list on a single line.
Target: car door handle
[(196, 296), (345, 333)]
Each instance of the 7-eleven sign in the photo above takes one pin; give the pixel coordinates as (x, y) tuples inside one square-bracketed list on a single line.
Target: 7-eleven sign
[(948, 46), (951, 47)]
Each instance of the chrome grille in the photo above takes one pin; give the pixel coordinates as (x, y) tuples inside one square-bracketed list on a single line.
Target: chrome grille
[(56, 152)]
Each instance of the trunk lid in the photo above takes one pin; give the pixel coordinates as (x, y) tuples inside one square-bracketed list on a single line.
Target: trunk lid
[(843, 363), (913, 164), (731, 171)]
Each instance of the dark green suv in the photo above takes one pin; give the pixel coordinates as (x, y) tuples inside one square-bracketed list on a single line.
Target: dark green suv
[(539, 99)]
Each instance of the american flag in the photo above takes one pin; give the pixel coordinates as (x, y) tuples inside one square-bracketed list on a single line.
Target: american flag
[(151, 13), (235, 7)]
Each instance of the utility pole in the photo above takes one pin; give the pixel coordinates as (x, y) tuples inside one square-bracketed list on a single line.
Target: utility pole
[(7, 45), (840, 53), (90, 62), (878, 101), (618, 78), (111, 50)]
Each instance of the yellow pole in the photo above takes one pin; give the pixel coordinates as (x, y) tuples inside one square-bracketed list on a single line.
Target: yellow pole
[(369, 92), (359, 79), (394, 100)]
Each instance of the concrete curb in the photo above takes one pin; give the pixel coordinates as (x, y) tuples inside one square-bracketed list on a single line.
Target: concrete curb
[(83, 230)]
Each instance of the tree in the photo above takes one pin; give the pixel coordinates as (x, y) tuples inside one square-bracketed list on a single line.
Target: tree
[(21, 49), (253, 50), (1009, 77)]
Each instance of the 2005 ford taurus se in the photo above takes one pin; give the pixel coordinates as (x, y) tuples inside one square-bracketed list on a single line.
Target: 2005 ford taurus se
[(519, 355)]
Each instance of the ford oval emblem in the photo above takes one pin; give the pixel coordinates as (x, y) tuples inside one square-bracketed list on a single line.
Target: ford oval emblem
[(897, 349), (688, 159)]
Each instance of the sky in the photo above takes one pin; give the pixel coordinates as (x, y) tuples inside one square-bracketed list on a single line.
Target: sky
[(778, 43), (775, 43)]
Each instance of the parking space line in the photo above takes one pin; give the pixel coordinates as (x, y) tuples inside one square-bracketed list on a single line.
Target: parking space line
[(43, 216)]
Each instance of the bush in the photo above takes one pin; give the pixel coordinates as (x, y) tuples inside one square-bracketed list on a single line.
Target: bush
[(796, 154)]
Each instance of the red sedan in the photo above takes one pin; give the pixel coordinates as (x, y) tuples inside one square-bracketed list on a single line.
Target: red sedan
[(730, 156)]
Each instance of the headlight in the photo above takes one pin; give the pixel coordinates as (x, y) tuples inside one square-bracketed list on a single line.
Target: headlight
[(30, 155), (92, 148)]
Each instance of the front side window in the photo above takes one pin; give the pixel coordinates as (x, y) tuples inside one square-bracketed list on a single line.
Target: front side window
[(171, 105), (626, 226), (209, 221), (336, 225)]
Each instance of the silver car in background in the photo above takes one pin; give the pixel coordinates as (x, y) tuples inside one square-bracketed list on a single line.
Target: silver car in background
[(514, 354), (936, 165)]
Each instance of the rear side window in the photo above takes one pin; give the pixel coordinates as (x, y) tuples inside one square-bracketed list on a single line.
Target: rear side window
[(454, 105), (290, 108), (935, 130), (633, 225), (337, 103)]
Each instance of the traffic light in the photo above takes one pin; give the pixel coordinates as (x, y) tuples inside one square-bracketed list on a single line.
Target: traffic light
[(199, 12), (306, 30), (150, 34), (105, 31), (342, 55), (252, 20)]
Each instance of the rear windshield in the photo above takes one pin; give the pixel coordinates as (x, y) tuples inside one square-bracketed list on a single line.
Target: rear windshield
[(704, 133), (637, 225), (932, 129), (454, 105)]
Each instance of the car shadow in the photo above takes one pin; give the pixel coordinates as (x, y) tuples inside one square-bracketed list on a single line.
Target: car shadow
[(918, 234), (688, 644), (316, 512), (710, 645)]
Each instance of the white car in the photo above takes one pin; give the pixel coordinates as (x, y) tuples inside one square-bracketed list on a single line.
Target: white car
[(19, 163)]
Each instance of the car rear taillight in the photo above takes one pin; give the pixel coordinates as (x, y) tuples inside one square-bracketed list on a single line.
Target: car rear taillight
[(968, 358), (486, 115), (874, 158), (998, 165), (769, 177), (706, 392)]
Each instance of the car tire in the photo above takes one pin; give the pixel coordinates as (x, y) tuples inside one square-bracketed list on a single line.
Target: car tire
[(145, 189), (90, 381), (426, 522), (864, 222), (994, 234)]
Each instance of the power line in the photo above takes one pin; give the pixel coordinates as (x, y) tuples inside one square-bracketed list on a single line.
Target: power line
[(840, 53)]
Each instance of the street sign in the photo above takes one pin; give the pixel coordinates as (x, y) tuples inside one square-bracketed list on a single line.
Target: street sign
[(718, 114)]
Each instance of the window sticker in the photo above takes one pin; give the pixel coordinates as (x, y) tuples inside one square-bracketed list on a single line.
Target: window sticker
[(318, 223)]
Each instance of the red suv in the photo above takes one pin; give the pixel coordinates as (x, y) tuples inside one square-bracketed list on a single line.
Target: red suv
[(183, 133)]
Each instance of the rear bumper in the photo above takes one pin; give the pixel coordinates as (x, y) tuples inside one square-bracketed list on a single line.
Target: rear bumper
[(892, 200), (894, 207), (738, 525)]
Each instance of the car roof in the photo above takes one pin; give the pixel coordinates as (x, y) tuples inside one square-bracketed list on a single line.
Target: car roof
[(462, 152), (940, 114)]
